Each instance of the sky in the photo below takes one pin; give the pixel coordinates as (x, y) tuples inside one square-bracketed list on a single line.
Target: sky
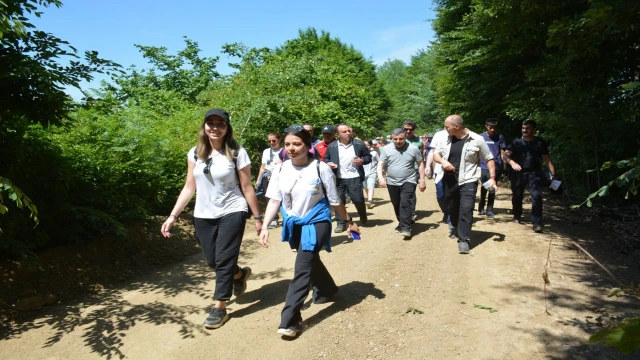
[(381, 30)]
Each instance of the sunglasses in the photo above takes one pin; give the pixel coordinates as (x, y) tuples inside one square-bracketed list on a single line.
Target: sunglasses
[(408, 129), (207, 167)]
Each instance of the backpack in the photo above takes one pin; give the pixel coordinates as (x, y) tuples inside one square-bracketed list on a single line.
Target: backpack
[(235, 165)]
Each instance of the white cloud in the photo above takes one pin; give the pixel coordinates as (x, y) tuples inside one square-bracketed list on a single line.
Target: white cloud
[(404, 53)]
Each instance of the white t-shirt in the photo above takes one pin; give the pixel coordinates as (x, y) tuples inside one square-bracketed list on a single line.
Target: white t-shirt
[(270, 158), (299, 189), (218, 193), (439, 140)]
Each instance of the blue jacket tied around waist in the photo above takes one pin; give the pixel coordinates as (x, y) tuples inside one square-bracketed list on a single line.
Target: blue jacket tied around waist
[(320, 212)]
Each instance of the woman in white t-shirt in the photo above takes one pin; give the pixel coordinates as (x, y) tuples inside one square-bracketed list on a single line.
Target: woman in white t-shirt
[(219, 169), (270, 160), (370, 172), (306, 189)]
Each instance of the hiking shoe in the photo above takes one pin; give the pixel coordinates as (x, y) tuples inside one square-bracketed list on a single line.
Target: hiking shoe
[(490, 213), (217, 317), (273, 224), (290, 332), (481, 212), (537, 228), (463, 247), (340, 228), (406, 234), (369, 204), (240, 285), (397, 229)]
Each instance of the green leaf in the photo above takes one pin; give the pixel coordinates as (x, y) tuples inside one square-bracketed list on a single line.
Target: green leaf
[(491, 310), (631, 85), (589, 204), (624, 336)]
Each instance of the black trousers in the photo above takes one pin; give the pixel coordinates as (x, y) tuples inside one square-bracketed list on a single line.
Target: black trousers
[(220, 241), (403, 198), (309, 271), (460, 201), (535, 181), (353, 188), (483, 192)]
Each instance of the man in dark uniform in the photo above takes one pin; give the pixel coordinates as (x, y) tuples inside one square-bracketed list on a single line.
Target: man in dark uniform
[(525, 156)]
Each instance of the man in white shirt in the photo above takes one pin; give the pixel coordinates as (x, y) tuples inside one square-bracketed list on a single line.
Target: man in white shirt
[(433, 169), (346, 157)]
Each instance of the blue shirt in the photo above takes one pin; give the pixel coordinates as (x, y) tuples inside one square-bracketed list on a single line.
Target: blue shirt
[(495, 143)]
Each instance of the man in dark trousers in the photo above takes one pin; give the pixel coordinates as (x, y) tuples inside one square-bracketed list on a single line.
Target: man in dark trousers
[(497, 145), (460, 160), (401, 159), (525, 156), (346, 157)]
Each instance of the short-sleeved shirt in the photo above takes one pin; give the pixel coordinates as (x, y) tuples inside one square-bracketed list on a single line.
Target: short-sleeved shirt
[(270, 158), (401, 163), (299, 188), (321, 148), (528, 154), (371, 167), (496, 143), (218, 192)]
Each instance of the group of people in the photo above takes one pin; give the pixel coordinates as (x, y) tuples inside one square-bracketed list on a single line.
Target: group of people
[(307, 180)]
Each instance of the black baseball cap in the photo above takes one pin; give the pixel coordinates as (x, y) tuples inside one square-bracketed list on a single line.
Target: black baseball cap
[(328, 129), (218, 112)]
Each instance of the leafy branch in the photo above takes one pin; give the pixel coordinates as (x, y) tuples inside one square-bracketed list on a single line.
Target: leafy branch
[(18, 197)]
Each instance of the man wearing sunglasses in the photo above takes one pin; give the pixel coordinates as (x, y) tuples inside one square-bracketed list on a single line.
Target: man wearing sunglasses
[(409, 127)]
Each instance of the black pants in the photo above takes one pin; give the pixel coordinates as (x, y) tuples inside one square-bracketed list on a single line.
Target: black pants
[(483, 192), (460, 201), (403, 198), (353, 188), (535, 181), (309, 270), (220, 241)]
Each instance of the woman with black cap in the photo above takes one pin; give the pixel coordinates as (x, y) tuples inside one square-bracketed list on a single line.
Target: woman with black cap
[(306, 188), (219, 169)]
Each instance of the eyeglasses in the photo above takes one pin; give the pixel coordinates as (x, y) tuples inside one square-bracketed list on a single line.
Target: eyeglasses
[(408, 129), (207, 167)]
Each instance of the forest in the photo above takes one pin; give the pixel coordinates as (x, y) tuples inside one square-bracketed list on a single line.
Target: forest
[(73, 171)]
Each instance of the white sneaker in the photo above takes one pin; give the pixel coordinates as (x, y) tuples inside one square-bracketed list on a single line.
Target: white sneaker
[(369, 204), (290, 332), (273, 224)]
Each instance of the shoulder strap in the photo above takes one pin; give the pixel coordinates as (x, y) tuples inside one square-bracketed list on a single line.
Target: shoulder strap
[(235, 165), (324, 191)]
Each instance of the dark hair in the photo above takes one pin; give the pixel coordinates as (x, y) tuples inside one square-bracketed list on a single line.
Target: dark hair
[(273, 133), (410, 122), (397, 131), (302, 134), (307, 124), (204, 148), (530, 122), (491, 122)]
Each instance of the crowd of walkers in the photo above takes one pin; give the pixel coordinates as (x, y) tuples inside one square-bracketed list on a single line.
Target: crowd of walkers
[(308, 180)]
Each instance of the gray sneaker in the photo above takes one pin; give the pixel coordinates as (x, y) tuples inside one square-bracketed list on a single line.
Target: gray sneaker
[(463, 247), (340, 228), (453, 233), (240, 285), (217, 318), (289, 332), (406, 234)]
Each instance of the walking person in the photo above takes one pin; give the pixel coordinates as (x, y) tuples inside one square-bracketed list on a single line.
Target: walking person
[(328, 136), (497, 145), (400, 159), (409, 127), (434, 169), (306, 189), (370, 173), (309, 128), (346, 157), (460, 160), (525, 156), (220, 171), (270, 160)]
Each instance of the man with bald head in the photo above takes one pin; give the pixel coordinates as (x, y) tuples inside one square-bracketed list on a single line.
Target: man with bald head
[(460, 159)]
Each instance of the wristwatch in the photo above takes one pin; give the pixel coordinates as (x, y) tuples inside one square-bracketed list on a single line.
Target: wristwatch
[(258, 218), (350, 220)]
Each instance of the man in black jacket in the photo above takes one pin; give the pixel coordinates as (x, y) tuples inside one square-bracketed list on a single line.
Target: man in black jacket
[(346, 157)]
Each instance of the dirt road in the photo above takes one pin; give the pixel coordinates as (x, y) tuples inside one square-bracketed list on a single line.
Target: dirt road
[(398, 300)]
